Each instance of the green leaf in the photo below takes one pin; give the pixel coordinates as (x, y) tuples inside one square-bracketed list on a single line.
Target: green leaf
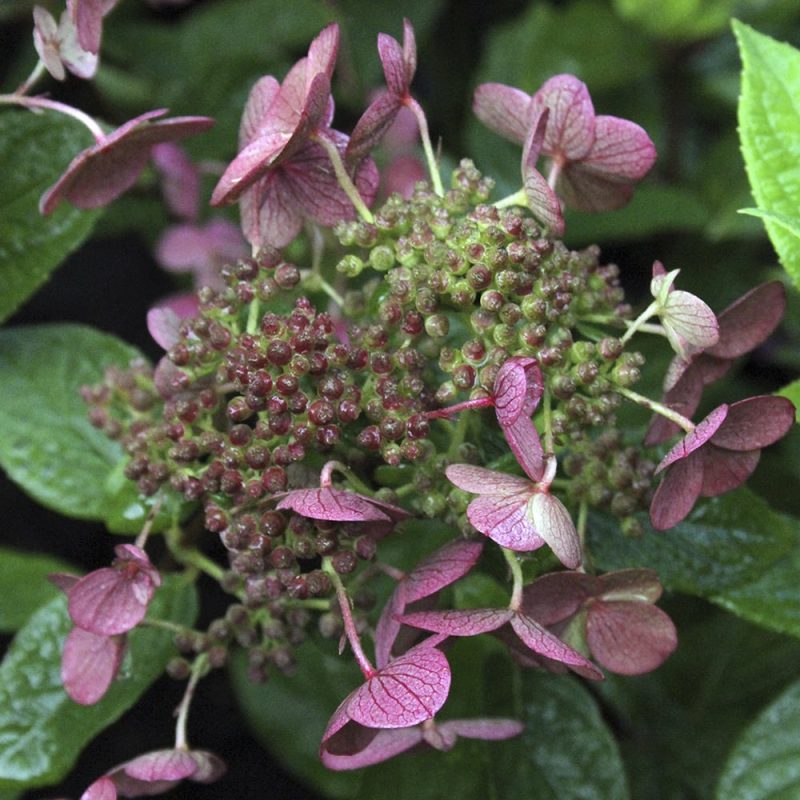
[(34, 151), (47, 444), (725, 542), (765, 763), (792, 391), (769, 128), (24, 585), (677, 19), (790, 224), (42, 731), (566, 750)]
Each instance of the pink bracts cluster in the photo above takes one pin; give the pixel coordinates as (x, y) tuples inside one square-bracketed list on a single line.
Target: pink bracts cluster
[(104, 605)]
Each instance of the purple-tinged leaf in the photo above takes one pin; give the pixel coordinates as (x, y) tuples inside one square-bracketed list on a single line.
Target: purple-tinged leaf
[(678, 492), (557, 596), (480, 480), (629, 638), (571, 127), (506, 520), (750, 320), (487, 729), (701, 434), (102, 789), (333, 504), (553, 523), (503, 109), (755, 423), (408, 690), (89, 663), (102, 172), (724, 470), (460, 622), (537, 638)]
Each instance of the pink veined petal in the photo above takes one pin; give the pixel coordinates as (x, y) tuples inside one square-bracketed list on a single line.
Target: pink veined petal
[(46, 42), (506, 520), (441, 568), (256, 120), (621, 151), (402, 175), (101, 173), (371, 127), (755, 423), (209, 766), (133, 555), (78, 61), (678, 492), (389, 625), (408, 690), (684, 397), (553, 523), (89, 664), (532, 145), (102, 789), (332, 504), (480, 480), (270, 212), (160, 765), (629, 638), (164, 326), (517, 389), (691, 319), (180, 180), (630, 584), (503, 109), (107, 602), (323, 51), (750, 320), (488, 729), (571, 127), (702, 433), (394, 68), (523, 441), (409, 50), (584, 190), (541, 641), (724, 470), (459, 622), (557, 596), (542, 200), (63, 580), (347, 749), (88, 18)]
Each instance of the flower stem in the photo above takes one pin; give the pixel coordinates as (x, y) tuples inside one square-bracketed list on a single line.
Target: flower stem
[(54, 105), (639, 321), (516, 575), (37, 73), (517, 199), (658, 408), (433, 166), (583, 515), (555, 171), (441, 413), (199, 669), (141, 539), (252, 316), (348, 187), (349, 626)]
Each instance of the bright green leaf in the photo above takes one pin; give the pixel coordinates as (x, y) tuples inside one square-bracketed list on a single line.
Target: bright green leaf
[(792, 391), (42, 731), (677, 19), (769, 127), (34, 150), (47, 444), (24, 585), (790, 224), (765, 763)]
